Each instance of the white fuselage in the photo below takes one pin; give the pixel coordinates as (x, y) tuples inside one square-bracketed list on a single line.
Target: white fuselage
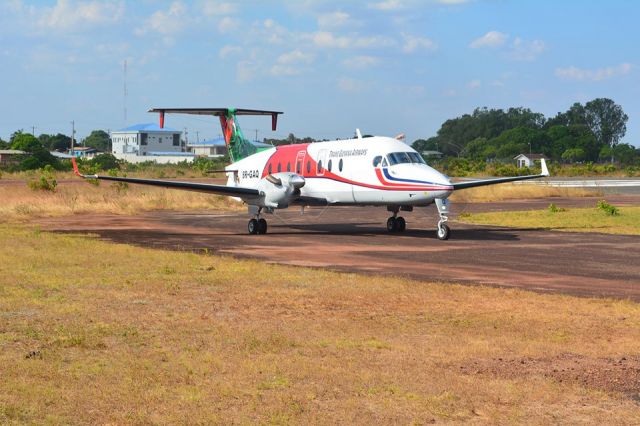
[(364, 171)]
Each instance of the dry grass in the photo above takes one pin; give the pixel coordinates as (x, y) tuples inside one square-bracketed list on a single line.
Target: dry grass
[(21, 203), (510, 191), (570, 220), (92, 332)]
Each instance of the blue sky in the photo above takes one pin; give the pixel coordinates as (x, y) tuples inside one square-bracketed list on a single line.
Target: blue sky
[(385, 66)]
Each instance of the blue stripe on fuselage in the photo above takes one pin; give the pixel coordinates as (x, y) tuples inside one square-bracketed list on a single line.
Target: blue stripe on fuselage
[(388, 176)]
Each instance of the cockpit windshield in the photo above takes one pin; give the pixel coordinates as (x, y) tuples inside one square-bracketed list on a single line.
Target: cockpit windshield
[(404, 157)]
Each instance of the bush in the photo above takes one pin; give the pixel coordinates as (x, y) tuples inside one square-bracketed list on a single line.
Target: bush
[(45, 183), (608, 208), (555, 209)]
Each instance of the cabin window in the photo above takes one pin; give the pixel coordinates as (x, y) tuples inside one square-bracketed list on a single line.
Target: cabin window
[(279, 167), (340, 165), (288, 167), (384, 162), (329, 166), (377, 160), (298, 167), (320, 166), (269, 168), (308, 167)]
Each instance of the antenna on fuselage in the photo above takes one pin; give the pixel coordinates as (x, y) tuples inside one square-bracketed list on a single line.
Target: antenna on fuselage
[(358, 134)]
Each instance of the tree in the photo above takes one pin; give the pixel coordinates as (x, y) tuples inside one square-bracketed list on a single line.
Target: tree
[(3, 144), (57, 142), (607, 121), (25, 142), (104, 162), (573, 154), (98, 139), (625, 154), (422, 145)]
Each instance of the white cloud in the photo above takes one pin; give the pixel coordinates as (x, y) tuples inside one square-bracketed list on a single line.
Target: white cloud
[(228, 24), (228, 50), (167, 22), (295, 56), (474, 84), (217, 8), (361, 62), (387, 5), (599, 74), (326, 39), (334, 19), (69, 15), (490, 39), (245, 70), (351, 85), (526, 50), (412, 43)]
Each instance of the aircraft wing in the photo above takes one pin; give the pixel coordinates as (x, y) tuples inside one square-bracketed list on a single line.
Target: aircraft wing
[(244, 193), (474, 183)]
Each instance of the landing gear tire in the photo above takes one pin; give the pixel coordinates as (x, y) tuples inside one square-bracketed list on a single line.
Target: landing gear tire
[(392, 224), (443, 232), (262, 226), (401, 224), (252, 227)]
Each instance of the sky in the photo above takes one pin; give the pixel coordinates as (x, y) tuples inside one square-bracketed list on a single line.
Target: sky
[(383, 66)]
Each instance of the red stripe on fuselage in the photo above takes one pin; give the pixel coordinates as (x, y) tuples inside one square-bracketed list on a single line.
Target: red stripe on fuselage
[(288, 154)]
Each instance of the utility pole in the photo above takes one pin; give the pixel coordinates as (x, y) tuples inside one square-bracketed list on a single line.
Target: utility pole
[(198, 136), (186, 136), (73, 135), (124, 99), (256, 139), (33, 130)]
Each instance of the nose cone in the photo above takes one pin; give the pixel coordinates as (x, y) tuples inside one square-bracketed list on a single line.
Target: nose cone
[(296, 181)]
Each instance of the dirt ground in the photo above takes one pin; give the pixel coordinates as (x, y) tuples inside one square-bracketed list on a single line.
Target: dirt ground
[(355, 239)]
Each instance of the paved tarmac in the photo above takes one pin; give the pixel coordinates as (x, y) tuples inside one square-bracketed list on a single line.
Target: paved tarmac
[(355, 239)]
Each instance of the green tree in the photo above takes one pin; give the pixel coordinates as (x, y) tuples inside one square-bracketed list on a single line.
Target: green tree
[(607, 120), (3, 144), (25, 142), (98, 139), (104, 162), (625, 154), (422, 145), (572, 155), (57, 142)]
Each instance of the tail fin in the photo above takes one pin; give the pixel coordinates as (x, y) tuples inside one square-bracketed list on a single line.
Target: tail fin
[(238, 146)]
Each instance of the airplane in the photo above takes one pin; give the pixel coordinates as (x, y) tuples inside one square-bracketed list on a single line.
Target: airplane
[(363, 171)]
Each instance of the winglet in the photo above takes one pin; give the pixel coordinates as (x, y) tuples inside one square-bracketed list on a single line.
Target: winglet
[(75, 167), (543, 165)]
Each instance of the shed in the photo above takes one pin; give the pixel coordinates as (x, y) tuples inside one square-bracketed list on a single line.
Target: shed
[(528, 160)]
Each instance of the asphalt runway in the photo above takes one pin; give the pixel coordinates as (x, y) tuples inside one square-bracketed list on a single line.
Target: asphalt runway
[(355, 239)]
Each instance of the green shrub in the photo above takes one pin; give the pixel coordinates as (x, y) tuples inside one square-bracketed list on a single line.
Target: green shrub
[(555, 209), (44, 183), (608, 208)]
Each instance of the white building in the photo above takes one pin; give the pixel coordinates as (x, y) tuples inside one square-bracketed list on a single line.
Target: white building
[(145, 139), (528, 160)]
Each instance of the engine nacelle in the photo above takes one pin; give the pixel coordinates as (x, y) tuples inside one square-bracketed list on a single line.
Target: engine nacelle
[(279, 189)]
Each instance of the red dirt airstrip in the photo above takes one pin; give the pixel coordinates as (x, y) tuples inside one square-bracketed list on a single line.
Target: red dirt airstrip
[(355, 239)]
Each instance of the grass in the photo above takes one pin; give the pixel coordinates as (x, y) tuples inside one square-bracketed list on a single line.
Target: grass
[(92, 332), (21, 203), (509, 191), (596, 219)]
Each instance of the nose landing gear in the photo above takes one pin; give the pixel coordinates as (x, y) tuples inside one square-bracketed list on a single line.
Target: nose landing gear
[(443, 232)]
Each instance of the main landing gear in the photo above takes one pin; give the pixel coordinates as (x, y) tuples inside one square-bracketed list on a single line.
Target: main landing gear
[(257, 225), (443, 232), (396, 223)]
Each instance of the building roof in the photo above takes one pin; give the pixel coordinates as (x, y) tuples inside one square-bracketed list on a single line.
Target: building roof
[(147, 127), (60, 154), (221, 142), (11, 152), (532, 156)]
